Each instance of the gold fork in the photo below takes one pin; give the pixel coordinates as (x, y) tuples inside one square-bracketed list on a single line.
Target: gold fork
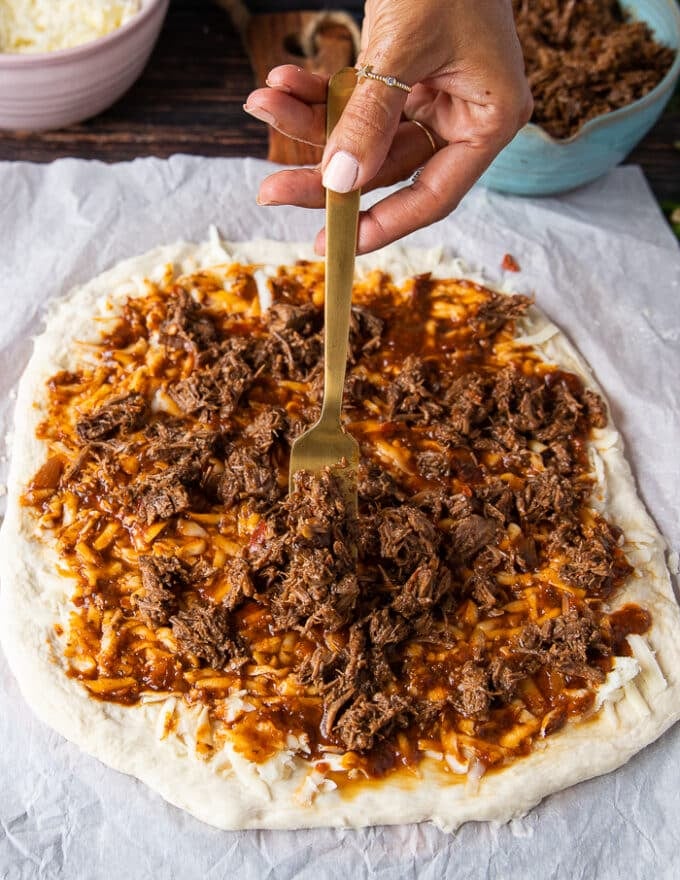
[(325, 444)]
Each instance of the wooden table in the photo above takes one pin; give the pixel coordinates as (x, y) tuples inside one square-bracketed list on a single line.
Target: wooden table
[(190, 99)]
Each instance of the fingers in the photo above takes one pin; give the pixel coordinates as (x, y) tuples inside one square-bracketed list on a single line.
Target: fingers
[(300, 186), (361, 140), (306, 86), (304, 188), (284, 112), (436, 192), (294, 103)]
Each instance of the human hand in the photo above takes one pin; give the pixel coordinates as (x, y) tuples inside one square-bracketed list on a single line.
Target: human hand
[(464, 62)]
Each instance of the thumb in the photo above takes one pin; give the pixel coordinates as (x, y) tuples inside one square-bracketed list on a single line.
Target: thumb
[(360, 141)]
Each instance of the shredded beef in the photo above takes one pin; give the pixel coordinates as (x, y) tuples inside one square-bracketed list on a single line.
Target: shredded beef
[(187, 325), (490, 448), (423, 589), (317, 583), (250, 476), (470, 534), (547, 496), (412, 393), (163, 579), (386, 628), (217, 389), (377, 485), (567, 643), (303, 319), (596, 409), (370, 719), (496, 311), (472, 697), (408, 538), (161, 496), (433, 465), (236, 571), (121, 414), (592, 562), (365, 332), (164, 494), (265, 429), (585, 58), (203, 629)]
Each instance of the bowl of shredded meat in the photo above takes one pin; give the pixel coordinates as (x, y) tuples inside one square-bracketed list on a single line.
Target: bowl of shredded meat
[(601, 73)]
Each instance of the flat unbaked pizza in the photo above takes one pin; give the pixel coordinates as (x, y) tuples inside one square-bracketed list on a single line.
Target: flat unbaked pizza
[(497, 624)]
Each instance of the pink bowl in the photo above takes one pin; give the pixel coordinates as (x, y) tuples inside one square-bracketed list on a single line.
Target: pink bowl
[(53, 89)]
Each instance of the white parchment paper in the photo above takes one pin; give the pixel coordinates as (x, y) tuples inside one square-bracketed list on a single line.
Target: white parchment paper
[(605, 267)]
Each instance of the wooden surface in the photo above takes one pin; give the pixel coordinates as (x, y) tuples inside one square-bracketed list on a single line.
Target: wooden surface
[(278, 39), (190, 100)]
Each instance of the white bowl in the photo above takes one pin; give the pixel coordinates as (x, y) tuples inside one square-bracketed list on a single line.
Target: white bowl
[(49, 90)]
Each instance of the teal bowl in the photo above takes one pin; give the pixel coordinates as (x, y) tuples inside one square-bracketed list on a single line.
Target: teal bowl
[(534, 163)]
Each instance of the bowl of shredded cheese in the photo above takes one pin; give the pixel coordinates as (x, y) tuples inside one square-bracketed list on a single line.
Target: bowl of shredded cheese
[(62, 61)]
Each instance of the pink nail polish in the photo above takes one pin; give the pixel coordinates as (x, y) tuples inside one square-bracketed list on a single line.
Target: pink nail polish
[(259, 113), (341, 172)]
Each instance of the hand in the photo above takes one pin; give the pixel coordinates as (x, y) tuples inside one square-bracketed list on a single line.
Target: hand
[(464, 62)]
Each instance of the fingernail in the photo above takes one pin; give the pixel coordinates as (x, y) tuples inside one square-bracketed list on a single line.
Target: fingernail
[(341, 172), (265, 202), (259, 113), (280, 87)]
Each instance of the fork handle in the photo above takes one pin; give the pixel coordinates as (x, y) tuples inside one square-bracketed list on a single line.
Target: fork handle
[(342, 214)]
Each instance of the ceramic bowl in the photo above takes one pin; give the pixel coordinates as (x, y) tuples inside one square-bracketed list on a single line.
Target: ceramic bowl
[(50, 90), (535, 163)]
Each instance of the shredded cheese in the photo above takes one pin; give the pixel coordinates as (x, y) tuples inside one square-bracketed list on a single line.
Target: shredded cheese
[(48, 25)]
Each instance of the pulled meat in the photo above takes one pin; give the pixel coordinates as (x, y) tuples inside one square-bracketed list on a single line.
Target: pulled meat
[(371, 718), (412, 393), (163, 580), (121, 414), (584, 58), (488, 480), (187, 324), (248, 475), (204, 629)]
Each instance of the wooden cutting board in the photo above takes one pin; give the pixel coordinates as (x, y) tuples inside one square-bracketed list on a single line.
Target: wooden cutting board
[(285, 38)]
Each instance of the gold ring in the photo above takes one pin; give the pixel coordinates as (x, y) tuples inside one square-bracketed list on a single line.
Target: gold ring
[(426, 131), (365, 71)]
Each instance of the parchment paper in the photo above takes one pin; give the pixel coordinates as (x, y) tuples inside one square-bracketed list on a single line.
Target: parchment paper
[(603, 265)]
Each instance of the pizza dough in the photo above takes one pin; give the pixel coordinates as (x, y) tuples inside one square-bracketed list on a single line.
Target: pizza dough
[(640, 698)]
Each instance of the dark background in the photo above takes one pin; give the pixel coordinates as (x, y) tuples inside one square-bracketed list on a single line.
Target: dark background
[(190, 100)]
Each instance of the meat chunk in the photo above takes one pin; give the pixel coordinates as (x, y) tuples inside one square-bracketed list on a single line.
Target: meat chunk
[(163, 580), (161, 496), (217, 389), (303, 319), (203, 629), (248, 476), (369, 719), (472, 691), (118, 415), (266, 429), (422, 590), (237, 573), (365, 332), (187, 325), (408, 537), (433, 465), (496, 311), (470, 534), (412, 393)]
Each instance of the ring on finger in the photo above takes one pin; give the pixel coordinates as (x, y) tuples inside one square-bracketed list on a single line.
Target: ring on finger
[(428, 134), (365, 71)]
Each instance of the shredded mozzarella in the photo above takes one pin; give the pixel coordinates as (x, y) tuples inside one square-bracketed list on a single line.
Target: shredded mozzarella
[(47, 25)]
